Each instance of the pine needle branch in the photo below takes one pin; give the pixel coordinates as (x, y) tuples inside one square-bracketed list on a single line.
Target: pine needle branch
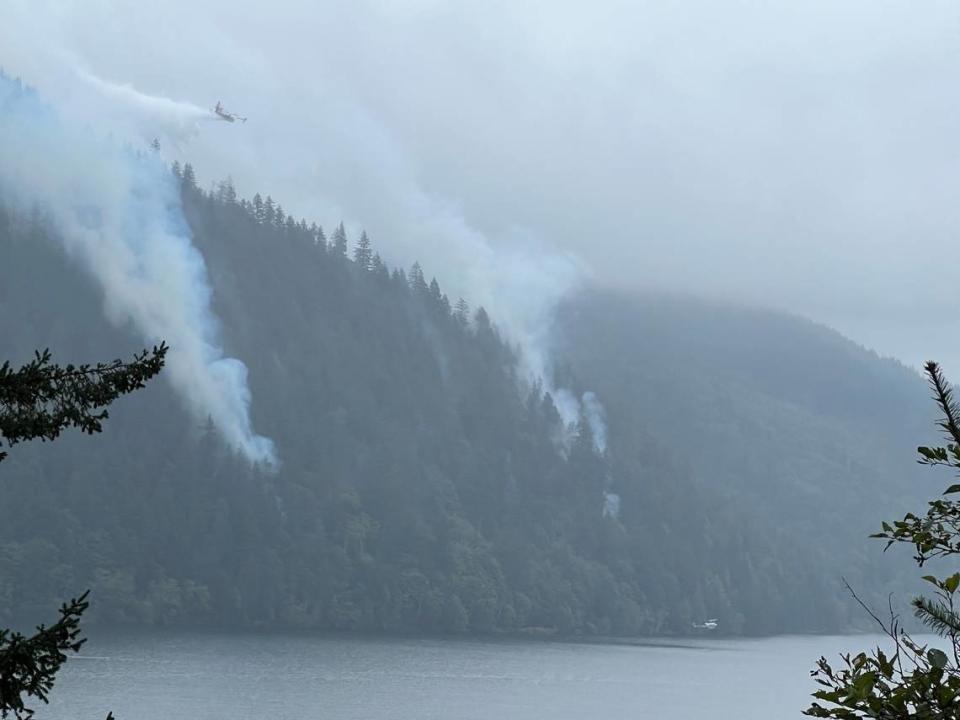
[(936, 616), (943, 395)]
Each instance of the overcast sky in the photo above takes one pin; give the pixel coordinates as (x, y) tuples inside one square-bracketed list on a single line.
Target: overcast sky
[(800, 155)]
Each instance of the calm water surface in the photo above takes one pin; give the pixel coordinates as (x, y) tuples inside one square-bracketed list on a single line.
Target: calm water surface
[(154, 677)]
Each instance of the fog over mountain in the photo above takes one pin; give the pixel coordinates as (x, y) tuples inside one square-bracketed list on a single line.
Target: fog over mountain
[(725, 463), (802, 156), (486, 359)]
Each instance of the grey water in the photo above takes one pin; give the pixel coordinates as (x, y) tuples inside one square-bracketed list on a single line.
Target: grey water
[(140, 676)]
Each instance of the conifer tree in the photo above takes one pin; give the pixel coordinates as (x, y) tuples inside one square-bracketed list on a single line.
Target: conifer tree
[(338, 243), (226, 192), (417, 282), (40, 400), (549, 412), (378, 267), (319, 237), (189, 177), (269, 211), (481, 321), (461, 312), (362, 254), (434, 291)]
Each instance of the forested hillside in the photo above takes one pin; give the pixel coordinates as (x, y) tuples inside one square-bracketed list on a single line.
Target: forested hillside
[(422, 487), (800, 440)]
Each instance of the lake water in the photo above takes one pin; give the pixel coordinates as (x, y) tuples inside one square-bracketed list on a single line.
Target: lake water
[(200, 676)]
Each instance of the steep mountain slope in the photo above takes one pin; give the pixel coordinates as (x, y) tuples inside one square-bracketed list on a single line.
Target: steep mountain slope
[(791, 429), (422, 487)]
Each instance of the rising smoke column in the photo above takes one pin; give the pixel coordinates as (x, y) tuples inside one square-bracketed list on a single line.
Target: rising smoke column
[(521, 282), (118, 212), (596, 418)]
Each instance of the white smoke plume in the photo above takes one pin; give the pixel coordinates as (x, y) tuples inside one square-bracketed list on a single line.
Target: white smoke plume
[(118, 212), (516, 278), (326, 148), (596, 419)]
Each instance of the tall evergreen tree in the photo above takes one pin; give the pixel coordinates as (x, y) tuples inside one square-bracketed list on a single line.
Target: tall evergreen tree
[(189, 177), (338, 243), (226, 192), (269, 211), (461, 312), (481, 321), (362, 254), (417, 281), (319, 238), (379, 268), (434, 291)]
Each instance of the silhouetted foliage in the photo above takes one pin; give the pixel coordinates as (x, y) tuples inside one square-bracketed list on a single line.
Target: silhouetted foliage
[(28, 665), (910, 679), (40, 400)]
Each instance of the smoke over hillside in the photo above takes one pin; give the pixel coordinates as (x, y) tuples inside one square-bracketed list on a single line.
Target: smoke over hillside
[(520, 282), (117, 212)]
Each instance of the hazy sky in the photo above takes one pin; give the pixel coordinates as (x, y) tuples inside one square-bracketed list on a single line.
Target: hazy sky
[(803, 155)]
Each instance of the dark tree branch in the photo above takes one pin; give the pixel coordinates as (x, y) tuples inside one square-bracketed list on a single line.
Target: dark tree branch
[(40, 399), (28, 664)]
